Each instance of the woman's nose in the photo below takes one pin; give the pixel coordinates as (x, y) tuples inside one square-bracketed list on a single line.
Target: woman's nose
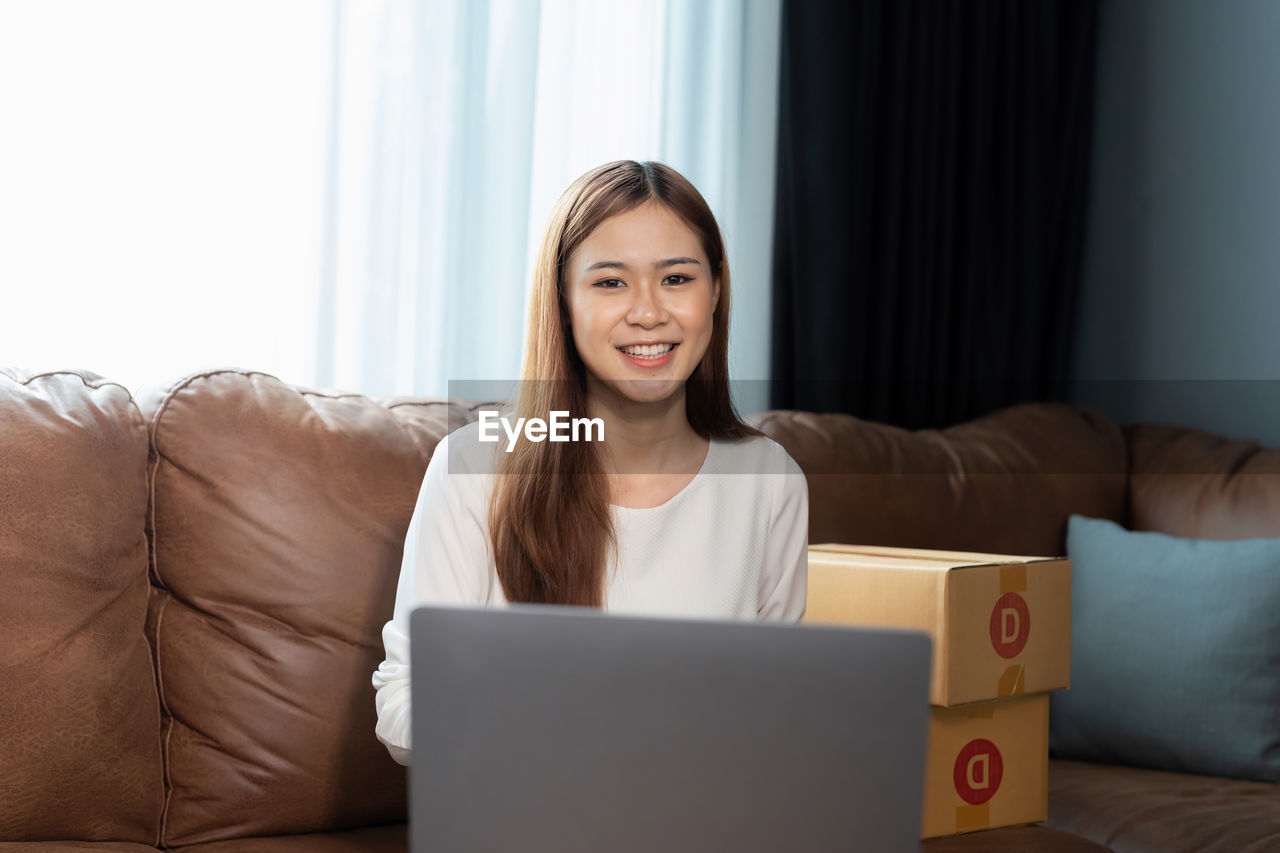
[(646, 308)]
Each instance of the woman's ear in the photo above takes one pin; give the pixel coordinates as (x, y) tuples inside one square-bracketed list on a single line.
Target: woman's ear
[(715, 297)]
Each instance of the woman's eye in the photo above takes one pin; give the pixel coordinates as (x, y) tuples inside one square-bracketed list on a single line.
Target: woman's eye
[(678, 279), (610, 283)]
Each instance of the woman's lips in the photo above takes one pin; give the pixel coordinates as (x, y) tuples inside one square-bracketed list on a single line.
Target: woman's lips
[(650, 363)]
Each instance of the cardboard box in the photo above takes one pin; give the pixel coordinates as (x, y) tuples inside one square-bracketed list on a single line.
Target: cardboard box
[(1000, 624), (987, 766)]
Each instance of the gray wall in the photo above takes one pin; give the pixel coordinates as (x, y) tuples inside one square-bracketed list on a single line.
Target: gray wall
[(1179, 320)]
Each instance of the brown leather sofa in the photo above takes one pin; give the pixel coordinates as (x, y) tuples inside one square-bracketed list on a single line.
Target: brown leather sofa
[(192, 586)]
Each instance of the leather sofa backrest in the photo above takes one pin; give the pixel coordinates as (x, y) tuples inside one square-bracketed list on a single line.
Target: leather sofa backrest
[(79, 714), (1005, 483), (1190, 483), (278, 521)]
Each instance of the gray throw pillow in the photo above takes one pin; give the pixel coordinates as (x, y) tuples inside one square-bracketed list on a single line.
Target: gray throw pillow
[(1175, 653)]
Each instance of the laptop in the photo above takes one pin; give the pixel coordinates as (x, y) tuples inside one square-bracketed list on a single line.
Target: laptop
[(542, 728)]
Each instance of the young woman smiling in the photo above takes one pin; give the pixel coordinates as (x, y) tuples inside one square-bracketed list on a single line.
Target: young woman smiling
[(682, 509)]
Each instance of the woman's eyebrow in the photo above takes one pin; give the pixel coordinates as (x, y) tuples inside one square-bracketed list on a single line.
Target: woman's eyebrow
[(669, 262)]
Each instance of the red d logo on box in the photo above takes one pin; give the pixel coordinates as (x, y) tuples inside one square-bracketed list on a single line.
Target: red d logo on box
[(978, 771), (1010, 625)]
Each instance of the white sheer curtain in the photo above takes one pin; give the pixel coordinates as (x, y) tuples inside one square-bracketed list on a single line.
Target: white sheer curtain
[(162, 170), (459, 122), (348, 194)]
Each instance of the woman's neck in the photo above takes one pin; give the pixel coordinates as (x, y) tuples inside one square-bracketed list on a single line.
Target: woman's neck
[(647, 438)]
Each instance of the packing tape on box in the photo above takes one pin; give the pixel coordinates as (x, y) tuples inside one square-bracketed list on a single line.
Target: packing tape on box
[(1012, 682), (1013, 578), (1014, 679), (972, 817)]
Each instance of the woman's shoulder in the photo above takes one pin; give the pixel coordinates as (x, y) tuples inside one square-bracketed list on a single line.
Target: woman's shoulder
[(755, 454), (465, 451)]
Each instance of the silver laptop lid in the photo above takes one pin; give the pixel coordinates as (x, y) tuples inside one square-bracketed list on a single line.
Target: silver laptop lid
[(540, 728)]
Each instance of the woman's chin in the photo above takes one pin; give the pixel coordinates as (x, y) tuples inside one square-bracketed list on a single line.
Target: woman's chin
[(647, 391)]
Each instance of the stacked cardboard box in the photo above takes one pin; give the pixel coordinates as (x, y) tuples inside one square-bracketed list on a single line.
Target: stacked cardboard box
[(1001, 629)]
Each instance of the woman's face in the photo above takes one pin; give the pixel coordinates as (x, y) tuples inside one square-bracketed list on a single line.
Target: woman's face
[(641, 298)]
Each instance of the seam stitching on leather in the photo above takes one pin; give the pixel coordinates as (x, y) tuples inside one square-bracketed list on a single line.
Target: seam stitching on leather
[(84, 379), (165, 773)]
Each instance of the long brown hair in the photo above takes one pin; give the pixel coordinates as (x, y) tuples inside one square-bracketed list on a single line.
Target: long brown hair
[(550, 518)]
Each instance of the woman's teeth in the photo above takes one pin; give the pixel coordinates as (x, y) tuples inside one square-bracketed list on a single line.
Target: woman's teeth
[(650, 351)]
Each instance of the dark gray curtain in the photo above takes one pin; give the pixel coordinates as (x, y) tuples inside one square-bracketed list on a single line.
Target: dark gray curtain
[(932, 172)]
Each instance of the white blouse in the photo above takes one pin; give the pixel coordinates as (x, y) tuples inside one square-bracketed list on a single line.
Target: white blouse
[(732, 544)]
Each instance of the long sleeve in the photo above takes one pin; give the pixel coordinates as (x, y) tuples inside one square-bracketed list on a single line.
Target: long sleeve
[(446, 561), (785, 582)]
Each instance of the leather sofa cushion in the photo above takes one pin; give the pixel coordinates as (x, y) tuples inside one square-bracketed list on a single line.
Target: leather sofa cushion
[(1014, 839), (76, 847), (374, 839), (1190, 483), (1156, 811), (79, 714), (278, 522), (1003, 483)]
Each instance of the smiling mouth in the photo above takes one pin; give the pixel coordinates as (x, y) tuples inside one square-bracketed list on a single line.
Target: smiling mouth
[(648, 351)]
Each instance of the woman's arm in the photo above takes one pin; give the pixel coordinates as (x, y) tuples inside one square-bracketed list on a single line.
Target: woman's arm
[(446, 561), (786, 568)]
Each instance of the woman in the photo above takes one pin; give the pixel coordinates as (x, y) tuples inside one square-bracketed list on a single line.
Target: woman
[(680, 509)]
